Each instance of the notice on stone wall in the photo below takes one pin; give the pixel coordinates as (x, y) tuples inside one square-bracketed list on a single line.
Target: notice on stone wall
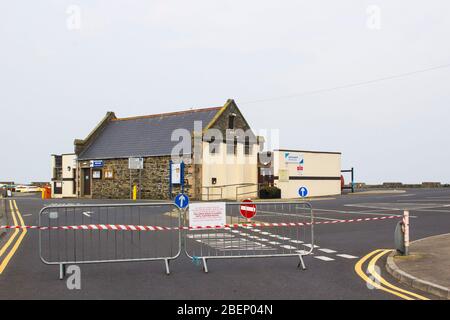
[(207, 214)]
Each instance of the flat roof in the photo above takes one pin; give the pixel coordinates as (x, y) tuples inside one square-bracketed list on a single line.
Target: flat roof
[(307, 151)]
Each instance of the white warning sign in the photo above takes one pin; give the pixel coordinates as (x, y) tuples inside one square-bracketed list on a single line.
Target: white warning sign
[(207, 214)]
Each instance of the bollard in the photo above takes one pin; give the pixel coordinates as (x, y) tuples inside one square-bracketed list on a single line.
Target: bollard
[(406, 231), (134, 192)]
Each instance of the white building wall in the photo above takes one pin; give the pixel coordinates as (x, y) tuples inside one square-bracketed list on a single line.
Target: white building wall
[(322, 169), (68, 178), (229, 170)]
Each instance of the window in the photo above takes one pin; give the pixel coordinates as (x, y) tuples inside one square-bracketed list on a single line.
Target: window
[(57, 187), (231, 119), (58, 161), (248, 147), (109, 174), (96, 174), (235, 146)]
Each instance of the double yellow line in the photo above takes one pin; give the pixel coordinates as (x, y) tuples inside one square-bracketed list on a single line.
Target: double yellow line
[(12, 239), (373, 278)]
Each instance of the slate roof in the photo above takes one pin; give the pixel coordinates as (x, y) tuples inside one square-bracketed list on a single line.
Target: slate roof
[(144, 136)]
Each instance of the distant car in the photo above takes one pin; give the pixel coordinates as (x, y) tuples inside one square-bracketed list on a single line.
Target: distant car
[(27, 189)]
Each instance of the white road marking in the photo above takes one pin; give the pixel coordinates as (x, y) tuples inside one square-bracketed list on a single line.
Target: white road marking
[(27, 215), (87, 214), (297, 241), (347, 256), (434, 200), (310, 245), (327, 250), (299, 215), (323, 258), (398, 206), (289, 247), (364, 213)]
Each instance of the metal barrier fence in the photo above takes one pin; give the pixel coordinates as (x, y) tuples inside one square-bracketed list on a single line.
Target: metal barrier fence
[(90, 245), (3, 213), (88, 234), (271, 237)]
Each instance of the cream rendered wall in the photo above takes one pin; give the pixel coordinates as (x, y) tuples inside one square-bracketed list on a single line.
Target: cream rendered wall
[(68, 160), (315, 165), (53, 164), (229, 169)]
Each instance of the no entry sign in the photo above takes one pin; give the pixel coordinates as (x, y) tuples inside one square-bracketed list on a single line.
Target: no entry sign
[(248, 209)]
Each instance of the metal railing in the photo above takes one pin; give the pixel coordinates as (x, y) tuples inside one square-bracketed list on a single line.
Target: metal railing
[(247, 191), (213, 194), (88, 246), (271, 239)]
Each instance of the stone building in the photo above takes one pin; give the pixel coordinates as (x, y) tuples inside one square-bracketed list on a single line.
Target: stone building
[(220, 158)]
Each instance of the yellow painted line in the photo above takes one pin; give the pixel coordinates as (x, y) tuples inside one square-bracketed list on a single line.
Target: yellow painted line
[(16, 231), (362, 274), (371, 269), (17, 244)]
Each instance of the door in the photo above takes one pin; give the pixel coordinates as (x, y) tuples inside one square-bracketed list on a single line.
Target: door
[(86, 182)]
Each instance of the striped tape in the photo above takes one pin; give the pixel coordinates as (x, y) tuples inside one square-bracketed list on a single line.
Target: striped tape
[(120, 227)]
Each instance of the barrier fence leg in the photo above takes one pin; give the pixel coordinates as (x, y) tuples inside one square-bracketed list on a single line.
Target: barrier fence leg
[(167, 263), (302, 263), (205, 265), (62, 271)]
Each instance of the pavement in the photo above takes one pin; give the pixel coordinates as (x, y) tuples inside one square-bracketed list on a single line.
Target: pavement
[(427, 267), (348, 262)]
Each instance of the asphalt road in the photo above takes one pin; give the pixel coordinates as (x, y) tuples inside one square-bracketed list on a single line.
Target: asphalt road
[(330, 275)]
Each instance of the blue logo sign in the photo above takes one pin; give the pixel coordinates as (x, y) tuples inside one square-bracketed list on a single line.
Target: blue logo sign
[(303, 192), (182, 201), (97, 164)]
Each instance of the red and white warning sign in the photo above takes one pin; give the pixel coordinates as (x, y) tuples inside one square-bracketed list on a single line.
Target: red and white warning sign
[(248, 209)]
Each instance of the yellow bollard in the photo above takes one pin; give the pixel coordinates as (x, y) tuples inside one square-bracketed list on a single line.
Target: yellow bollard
[(134, 192), (43, 193)]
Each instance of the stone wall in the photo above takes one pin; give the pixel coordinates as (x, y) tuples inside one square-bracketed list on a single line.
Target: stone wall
[(154, 178), (222, 122)]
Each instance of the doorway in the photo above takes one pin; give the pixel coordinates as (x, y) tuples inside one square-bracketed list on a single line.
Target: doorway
[(87, 182)]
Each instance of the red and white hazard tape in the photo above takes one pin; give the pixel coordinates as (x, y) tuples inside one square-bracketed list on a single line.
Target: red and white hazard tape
[(227, 226)]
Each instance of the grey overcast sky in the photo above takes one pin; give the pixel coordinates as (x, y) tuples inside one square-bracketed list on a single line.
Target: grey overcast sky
[(64, 64)]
